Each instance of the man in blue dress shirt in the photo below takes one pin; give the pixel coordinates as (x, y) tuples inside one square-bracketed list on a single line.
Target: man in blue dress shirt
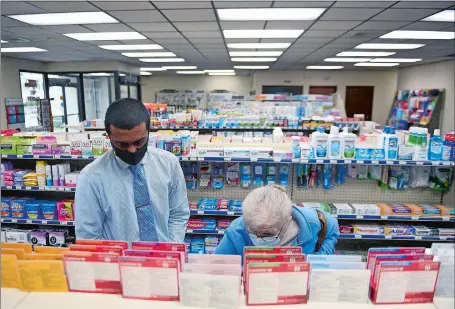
[(132, 192)]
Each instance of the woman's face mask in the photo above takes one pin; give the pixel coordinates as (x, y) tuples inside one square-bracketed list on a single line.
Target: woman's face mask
[(264, 241)]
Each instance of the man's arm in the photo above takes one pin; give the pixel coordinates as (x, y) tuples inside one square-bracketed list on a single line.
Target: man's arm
[(89, 215), (179, 211)]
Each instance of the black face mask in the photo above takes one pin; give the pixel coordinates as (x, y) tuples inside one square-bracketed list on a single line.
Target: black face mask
[(131, 158)]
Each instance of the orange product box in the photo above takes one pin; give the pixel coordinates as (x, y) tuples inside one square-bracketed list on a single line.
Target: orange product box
[(27, 247), (445, 211), (19, 253), (100, 249), (98, 242), (44, 256), (49, 250), (398, 210)]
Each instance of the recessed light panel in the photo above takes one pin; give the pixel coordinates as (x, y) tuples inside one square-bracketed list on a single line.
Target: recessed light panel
[(419, 35), (445, 16), (270, 14), (253, 59), (255, 53), (152, 69), (258, 45), (181, 67), (22, 50), (220, 74), (251, 67), (396, 60), (261, 34), (347, 59), (372, 64), (219, 71), (149, 54), (388, 46), (4, 41), (145, 73), (76, 18), (364, 54), (99, 74), (324, 67), (162, 59), (190, 72), (106, 36), (131, 47)]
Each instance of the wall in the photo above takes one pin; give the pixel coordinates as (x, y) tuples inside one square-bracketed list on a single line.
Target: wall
[(384, 83), (151, 84), (90, 66), (10, 81)]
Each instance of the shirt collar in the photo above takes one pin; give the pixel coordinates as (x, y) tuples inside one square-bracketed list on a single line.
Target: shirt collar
[(126, 165)]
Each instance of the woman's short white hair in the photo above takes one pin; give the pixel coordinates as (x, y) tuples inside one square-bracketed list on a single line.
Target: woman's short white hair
[(266, 209)]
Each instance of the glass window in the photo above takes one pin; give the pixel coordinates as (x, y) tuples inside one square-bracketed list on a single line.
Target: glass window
[(32, 88), (123, 91), (133, 92), (99, 92)]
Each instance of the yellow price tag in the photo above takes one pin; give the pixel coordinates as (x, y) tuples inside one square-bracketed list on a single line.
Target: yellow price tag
[(42, 276), (10, 272), (27, 247)]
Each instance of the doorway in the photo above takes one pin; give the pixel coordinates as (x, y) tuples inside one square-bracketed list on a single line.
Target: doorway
[(325, 90), (359, 100), (285, 90)]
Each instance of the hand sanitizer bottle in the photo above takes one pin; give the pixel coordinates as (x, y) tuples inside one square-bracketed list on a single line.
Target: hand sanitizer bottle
[(436, 146), (334, 143)]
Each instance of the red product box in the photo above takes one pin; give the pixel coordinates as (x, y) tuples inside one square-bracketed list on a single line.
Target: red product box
[(277, 283), (93, 248), (96, 242), (92, 272), (223, 204), (149, 278), (223, 224), (406, 282), (201, 224), (270, 250), (193, 205), (160, 246), (346, 229), (373, 252), (173, 255), (395, 258)]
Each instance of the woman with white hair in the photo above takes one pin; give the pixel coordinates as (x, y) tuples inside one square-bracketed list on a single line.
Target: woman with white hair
[(270, 219)]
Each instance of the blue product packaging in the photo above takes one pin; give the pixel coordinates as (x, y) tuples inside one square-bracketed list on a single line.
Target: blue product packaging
[(235, 205), (32, 209), (447, 150), (49, 210), (362, 153), (6, 207), (18, 208), (378, 154), (197, 245), (207, 204), (337, 265), (283, 173), (326, 174)]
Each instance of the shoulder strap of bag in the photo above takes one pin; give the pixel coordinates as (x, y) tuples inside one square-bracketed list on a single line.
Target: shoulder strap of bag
[(323, 232)]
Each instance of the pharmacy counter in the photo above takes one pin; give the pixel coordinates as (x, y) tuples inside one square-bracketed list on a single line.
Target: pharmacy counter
[(14, 299)]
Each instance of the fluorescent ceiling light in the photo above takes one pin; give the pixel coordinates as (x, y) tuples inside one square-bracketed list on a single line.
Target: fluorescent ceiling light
[(149, 54), (251, 67), (419, 35), (190, 72), (153, 69), (364, 54), (270, 14), (258, 45), (324, 67), (388, 46), (253, 59), (145, 73), (131, 47), (219, 71), (76, 18), (447, 16), (106, 36), (347, 59), (373, 64), (4, 41), (182, 67), (222, 73), (396, 60), (162, 59), (261, 34), (98, 74), (255, 53), (121, 74), (22, 50)]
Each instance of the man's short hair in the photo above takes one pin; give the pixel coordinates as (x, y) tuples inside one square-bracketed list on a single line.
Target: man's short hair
[(126, 114)]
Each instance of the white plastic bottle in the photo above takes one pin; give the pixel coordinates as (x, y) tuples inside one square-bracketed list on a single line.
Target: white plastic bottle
[(277, 135), (391, 145), (348, 141), (334, 143), (319, 143)]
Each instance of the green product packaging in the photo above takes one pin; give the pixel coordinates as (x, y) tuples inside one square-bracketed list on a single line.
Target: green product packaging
[(98, 147), (24, 145), (8, 145), (441, 178)]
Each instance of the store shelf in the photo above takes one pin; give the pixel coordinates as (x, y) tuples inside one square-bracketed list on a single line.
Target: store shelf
[(215, 212), (26, 188), (392, 237), (205, 232), (223, 128), (50, 157), (35, 221)]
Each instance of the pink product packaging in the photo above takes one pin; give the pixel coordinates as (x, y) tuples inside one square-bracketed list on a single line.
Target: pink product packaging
[(76, 148), (223, 224), (43, 144)]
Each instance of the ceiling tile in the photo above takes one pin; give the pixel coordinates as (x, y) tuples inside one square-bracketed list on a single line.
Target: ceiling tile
[(197, 26), (123, 5), (302, 4), (202, 34), (182, 4), (381, 25), (137, 42), (242, 4), (147, 16), (109, 27), (274, 41), (363, 4), (163, 35), (352, 40), (247, 40), (322, 33), (152, 26), (239, 25), (190, 15), (426, 25), (65, 6), (31, 30), (423, 4), (289, 25), (19, 7), (404, 14), (9, 22), (206, 40), (103, 42), (313, 40), (66, 29), (335, 25), (349, 14), (370, 34)]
